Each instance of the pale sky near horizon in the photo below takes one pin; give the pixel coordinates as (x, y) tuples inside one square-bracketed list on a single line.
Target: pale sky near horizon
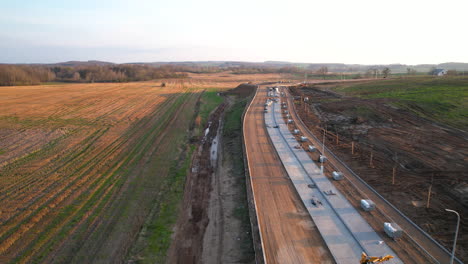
[(327, 31)]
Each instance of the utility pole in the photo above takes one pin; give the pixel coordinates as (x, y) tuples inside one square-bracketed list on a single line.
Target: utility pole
[(336, 135), (352, 147), (429, 192), (323, 152), (394, 169), (456, 234), (323, 142)]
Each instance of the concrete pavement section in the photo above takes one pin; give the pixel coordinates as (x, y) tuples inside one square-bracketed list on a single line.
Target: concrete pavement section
[(346, 233)]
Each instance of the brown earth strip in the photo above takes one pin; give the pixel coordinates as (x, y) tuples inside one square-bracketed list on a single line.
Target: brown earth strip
[(288, 233)]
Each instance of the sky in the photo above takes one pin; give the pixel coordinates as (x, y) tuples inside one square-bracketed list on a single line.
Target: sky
[(327, 31)]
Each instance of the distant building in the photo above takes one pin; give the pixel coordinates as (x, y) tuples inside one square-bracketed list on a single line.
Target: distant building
[(439, 72)]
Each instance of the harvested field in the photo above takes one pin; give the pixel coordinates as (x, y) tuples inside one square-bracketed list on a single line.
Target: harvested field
[(425, 154), (228, 77), (70, 151), (82, 166)]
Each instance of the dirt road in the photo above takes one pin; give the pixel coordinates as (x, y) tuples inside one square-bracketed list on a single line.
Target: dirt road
[(287, 231)]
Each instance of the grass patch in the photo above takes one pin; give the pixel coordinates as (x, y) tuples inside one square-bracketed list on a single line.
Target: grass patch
[(232, 121), (232, 132), (209, 101), (159, 231), (441, 99), (155, 238), (347, 76), (2, 151)]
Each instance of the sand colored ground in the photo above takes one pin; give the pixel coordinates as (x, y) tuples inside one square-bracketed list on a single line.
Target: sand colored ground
[(288, 233)]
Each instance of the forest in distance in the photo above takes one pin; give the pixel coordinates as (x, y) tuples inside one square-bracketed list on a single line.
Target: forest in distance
[(33, 74), (99, 71)]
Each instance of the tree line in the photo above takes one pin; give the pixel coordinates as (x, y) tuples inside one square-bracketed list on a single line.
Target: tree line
[(256, 70), (37, 74)]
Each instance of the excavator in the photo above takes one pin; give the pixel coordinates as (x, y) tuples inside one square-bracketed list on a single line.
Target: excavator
[(374, 260)]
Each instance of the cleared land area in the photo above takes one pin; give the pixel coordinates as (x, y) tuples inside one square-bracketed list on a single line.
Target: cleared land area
[(287, 231), (88, 169), (426, 149)]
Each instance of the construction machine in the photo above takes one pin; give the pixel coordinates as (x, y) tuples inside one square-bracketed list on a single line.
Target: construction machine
[(369, 260)]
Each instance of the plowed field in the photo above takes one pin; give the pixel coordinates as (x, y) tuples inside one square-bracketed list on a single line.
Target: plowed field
[(82, 165)]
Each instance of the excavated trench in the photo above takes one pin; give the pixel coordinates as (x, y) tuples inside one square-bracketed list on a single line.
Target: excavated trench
[(208, 230)]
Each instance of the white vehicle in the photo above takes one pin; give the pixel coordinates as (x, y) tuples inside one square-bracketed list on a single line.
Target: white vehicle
[(367, 205), (337, 176), (393, 230)]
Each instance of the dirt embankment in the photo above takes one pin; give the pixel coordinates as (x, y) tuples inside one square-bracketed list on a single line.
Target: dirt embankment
[(213, 226), (392, 142), (190, 229)]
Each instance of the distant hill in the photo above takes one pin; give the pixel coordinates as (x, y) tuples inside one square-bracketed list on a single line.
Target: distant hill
[(332, 67), (454, 66), (82, 63)]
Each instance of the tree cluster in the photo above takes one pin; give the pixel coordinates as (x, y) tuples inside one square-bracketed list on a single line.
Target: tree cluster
[(114, 73), (255, 70), (31, 74), (194, 68), (374, 72), (24, 75), (411, 71)]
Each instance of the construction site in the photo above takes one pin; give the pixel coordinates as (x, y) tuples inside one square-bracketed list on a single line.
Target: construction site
[(264, 171), (304, 174)]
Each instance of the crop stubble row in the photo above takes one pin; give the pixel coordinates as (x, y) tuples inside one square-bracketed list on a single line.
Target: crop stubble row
[(68, 182)]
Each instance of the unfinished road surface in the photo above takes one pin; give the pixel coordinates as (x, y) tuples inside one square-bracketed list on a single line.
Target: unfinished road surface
[(419, 247), (287, 232), (346, 233)]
